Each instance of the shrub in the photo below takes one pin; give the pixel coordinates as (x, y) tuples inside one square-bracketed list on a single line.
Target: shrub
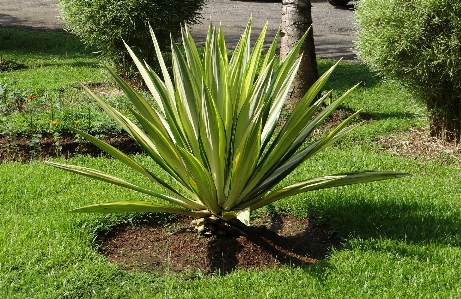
[(419, 43), (213, 130), (104, 23)]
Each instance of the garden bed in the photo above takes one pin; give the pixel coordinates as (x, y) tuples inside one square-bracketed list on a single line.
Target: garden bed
[(66, 144), (272, 242)]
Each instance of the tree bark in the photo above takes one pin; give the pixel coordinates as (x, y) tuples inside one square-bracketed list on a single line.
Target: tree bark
[(296, 20)]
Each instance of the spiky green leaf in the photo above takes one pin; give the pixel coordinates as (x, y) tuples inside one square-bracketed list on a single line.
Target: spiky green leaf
[(137, 206)]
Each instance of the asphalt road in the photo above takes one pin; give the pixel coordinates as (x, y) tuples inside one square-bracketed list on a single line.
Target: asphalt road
[(333, 27)]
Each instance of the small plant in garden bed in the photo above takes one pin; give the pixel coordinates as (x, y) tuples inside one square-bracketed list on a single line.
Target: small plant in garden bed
[(28, 119), (13, 100), (212, 129)]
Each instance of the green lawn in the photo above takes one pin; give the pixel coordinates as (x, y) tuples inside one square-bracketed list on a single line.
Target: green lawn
[(401, 238)]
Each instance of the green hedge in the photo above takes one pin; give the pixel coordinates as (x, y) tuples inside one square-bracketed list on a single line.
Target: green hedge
[(104, 23), (419, 43)]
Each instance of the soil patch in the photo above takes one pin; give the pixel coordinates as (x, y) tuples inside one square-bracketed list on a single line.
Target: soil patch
[(273, 241)]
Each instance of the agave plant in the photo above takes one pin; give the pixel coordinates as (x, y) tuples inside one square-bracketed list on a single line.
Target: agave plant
[(213, 128)]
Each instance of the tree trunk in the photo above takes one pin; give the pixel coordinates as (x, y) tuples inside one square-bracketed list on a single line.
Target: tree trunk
[(445, 116), (296, 20)]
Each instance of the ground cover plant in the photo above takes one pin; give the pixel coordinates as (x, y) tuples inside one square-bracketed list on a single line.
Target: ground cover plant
[(399, 238)]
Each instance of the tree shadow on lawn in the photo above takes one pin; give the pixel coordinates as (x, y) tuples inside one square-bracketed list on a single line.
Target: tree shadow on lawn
[(346, 75), (73, 64), (38, 42)]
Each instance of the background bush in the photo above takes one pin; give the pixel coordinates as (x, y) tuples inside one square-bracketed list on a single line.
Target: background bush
[(104, 23), (419, 43)]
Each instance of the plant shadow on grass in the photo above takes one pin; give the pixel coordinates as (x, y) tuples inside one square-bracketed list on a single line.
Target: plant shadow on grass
[(411, 223), (380, 116), (345, 111)]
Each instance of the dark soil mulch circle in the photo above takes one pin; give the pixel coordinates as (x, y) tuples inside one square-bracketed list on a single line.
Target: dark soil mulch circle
[(176, 247)]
